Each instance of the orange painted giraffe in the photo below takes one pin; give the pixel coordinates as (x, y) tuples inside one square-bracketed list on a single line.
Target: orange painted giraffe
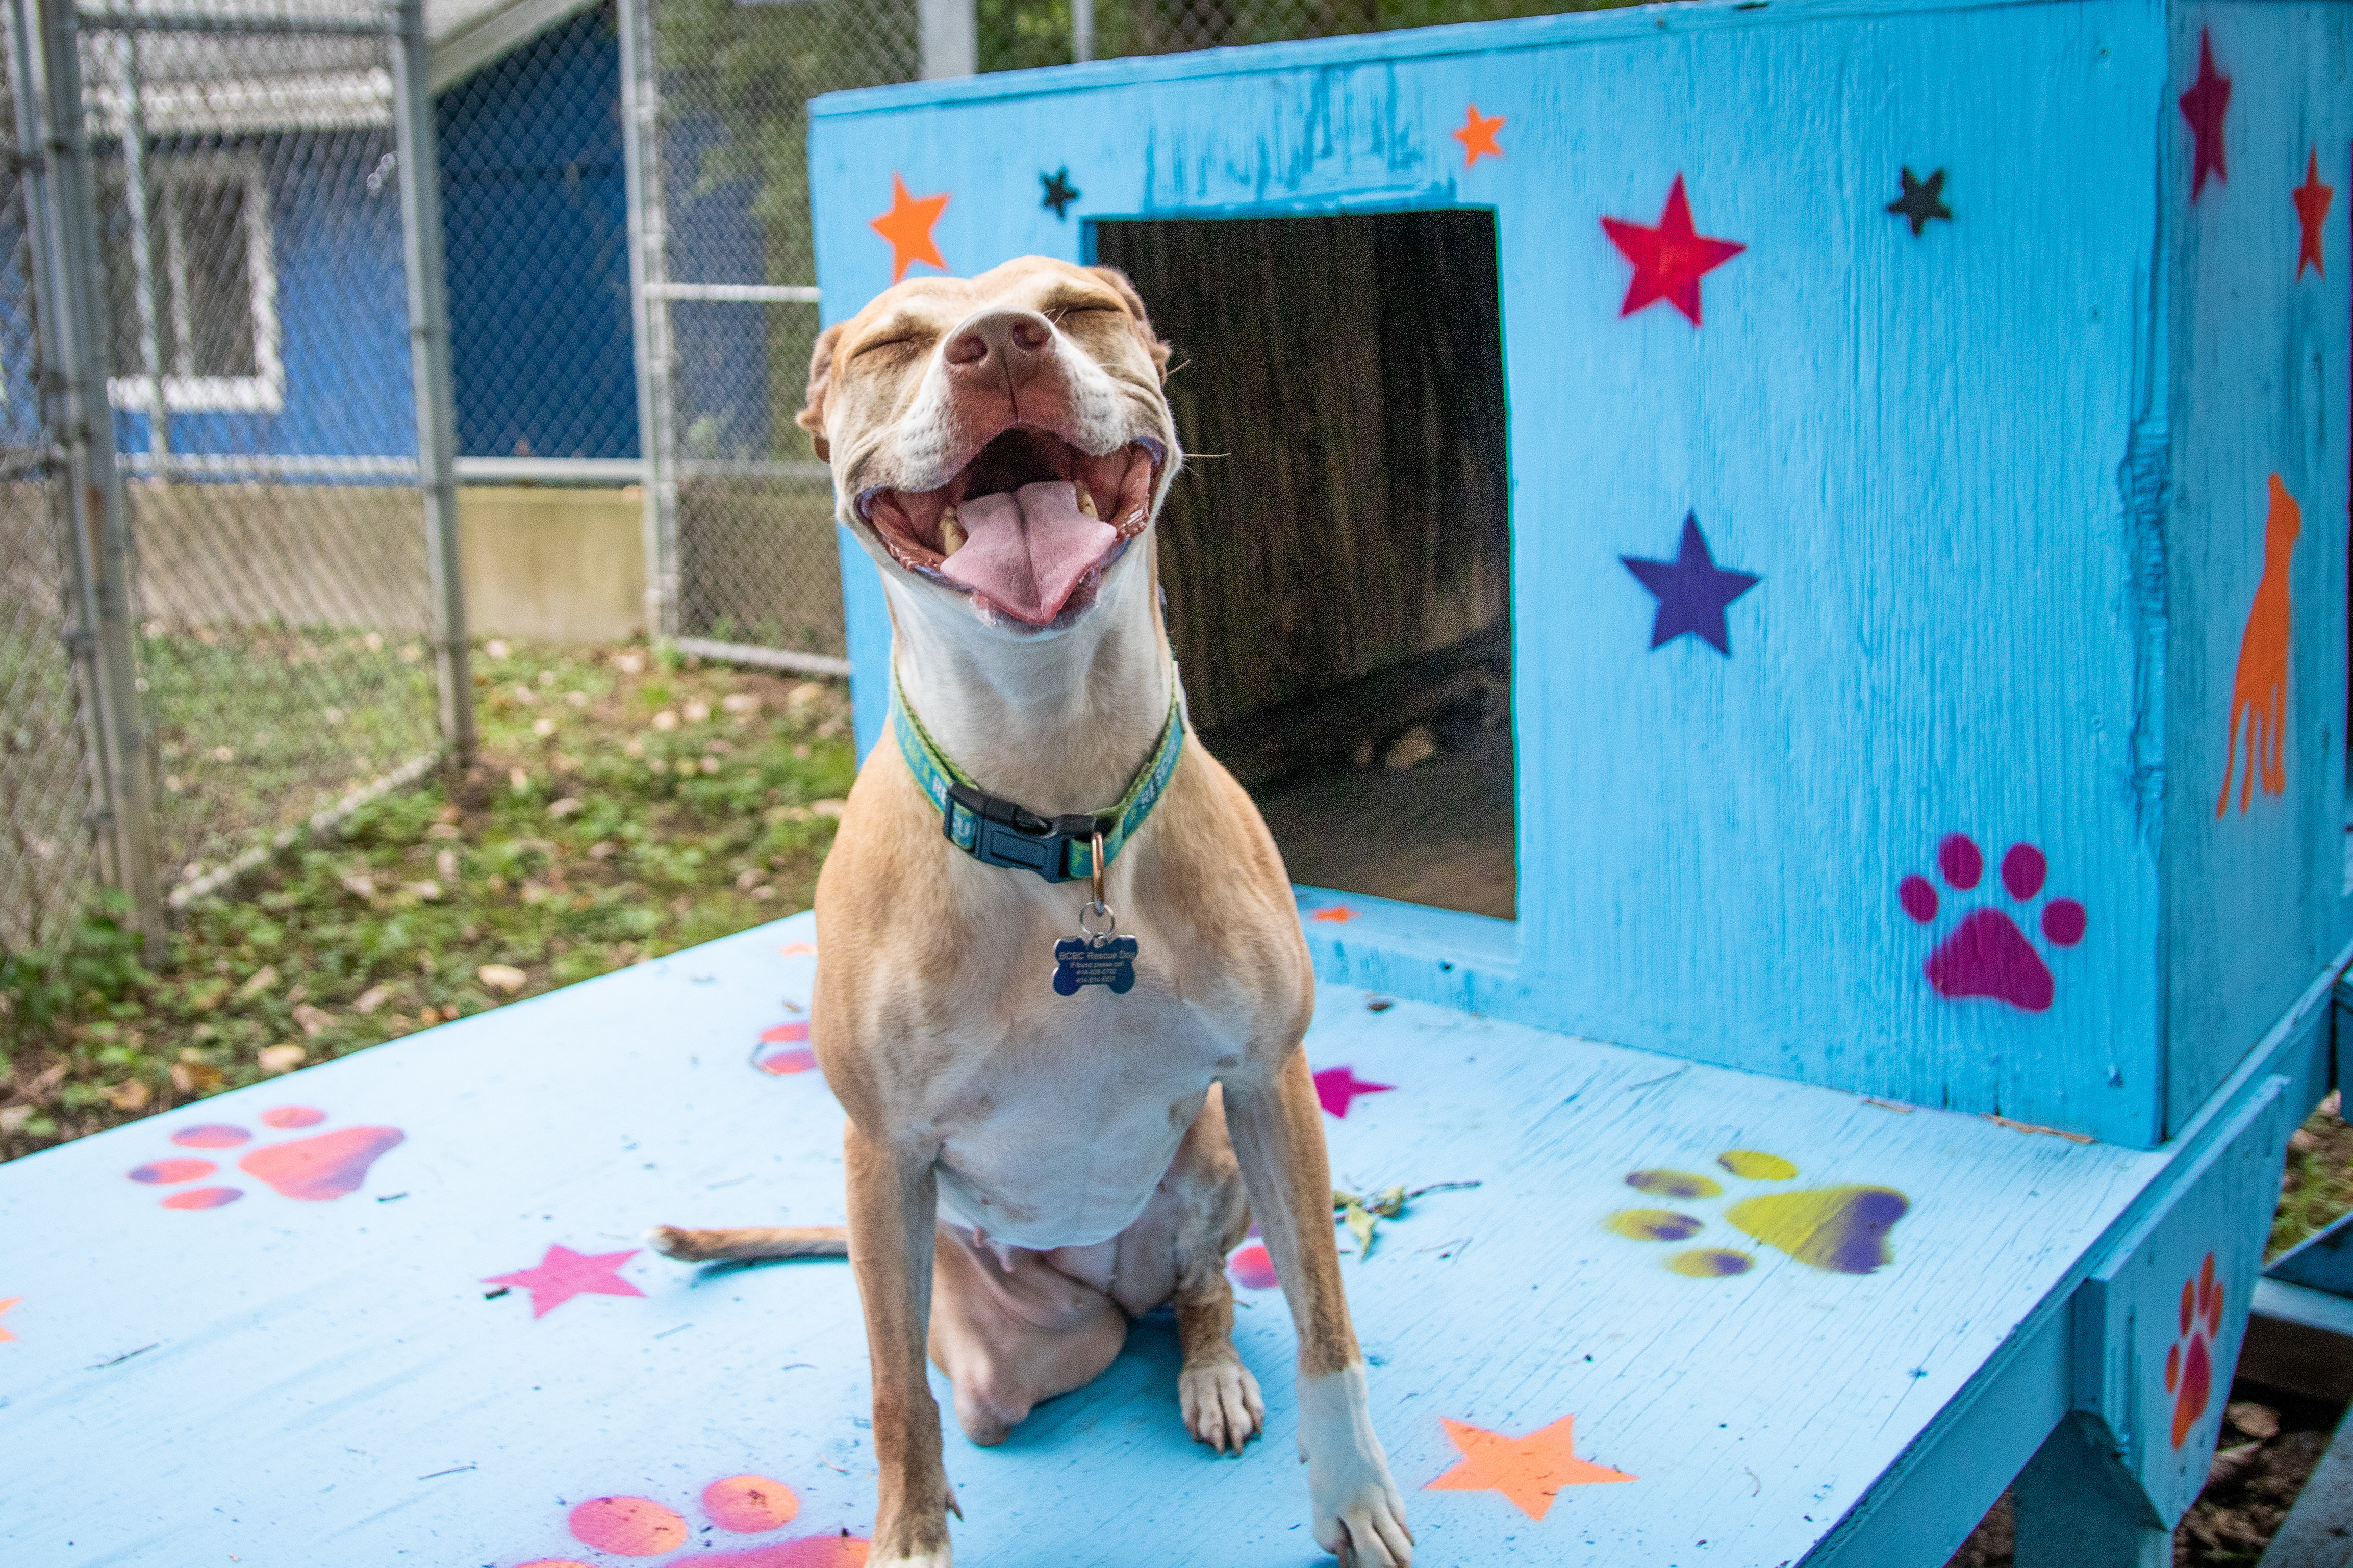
[(2259, 690)]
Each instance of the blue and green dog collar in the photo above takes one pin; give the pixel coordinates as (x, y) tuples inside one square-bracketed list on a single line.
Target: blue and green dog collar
[(1000, 832)]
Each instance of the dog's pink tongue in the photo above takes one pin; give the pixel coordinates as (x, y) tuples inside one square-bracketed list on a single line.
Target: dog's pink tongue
[(1026, 551)]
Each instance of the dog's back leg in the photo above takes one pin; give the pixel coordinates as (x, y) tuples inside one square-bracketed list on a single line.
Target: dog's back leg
[(747, 1244)]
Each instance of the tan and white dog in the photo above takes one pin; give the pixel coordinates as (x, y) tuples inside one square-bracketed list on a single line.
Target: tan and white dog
[(1027, 1170)]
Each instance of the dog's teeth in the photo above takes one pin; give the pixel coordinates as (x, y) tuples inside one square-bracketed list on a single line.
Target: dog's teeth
[(1086, 502), (951, 535)]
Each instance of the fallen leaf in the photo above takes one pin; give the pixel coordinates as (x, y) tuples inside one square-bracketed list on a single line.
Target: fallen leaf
[(833, 808), (195, 1078), (501, 977), (132, 1095), (740, 703), (1360, 1225), (2257, 1421), (428, 891), (567, 806), (274, 1059), (315, 1021), (372, 998), (359, 885), (263, 979)]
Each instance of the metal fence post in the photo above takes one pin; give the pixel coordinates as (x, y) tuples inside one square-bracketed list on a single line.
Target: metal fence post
[(649, 310), (99, 554), (428, 359), (950, 38)]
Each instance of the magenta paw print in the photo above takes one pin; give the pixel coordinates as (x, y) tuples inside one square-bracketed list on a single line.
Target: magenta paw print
[(1987, 954)]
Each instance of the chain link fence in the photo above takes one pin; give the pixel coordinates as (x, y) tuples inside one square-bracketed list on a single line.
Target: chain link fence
[(632, 303), (46, 857), (216, 586)]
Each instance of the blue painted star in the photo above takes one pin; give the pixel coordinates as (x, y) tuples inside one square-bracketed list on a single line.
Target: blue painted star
[(1692, 589)]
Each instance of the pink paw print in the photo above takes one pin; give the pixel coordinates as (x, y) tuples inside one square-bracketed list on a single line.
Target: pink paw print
[(1987, 954), (741, 1505), (317, 1169)]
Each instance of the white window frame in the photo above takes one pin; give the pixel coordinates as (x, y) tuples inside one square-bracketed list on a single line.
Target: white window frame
[(261, 393)]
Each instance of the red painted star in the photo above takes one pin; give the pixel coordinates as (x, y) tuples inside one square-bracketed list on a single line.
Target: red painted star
[(908, 226), (1478, 136), (2312, 199), (1668, 260), (2202, 106), (1335, 1088), (1529, 1470), (564, 1274)]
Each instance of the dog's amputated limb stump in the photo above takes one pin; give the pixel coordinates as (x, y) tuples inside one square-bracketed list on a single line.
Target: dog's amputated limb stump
[(749, 1243)]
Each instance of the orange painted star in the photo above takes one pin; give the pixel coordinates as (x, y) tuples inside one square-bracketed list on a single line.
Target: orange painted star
[(1478, 136), (1336, 914), (2312, 199), (5, 1335), (908, 226), (1529, 1470)]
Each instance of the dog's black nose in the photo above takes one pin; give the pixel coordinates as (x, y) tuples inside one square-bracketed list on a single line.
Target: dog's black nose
[(1000, 338)]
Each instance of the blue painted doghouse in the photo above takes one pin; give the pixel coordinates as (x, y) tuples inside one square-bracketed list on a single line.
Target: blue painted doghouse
[(1928, 458), (1881, 1095)]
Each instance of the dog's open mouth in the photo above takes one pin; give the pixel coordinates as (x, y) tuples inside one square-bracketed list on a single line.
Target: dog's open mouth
[(1030, 524)]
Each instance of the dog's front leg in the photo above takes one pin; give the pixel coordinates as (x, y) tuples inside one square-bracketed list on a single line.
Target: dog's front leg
[(893, 1211), (1278, 1135)]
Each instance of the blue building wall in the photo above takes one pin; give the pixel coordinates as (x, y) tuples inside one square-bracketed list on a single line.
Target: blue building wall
[(535, 219), (535, 212)]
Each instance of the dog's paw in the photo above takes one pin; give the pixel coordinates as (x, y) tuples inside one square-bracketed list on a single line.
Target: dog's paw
[(1221, 1404), (1367, 1528), (939, 1556)]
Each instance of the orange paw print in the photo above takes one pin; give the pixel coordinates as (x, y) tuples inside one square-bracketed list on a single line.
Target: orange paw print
[(2189, 1365), (744, 1505)]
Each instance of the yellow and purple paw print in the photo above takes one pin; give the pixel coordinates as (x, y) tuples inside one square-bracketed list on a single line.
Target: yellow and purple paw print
[(316, 1169), (1840, 1230)]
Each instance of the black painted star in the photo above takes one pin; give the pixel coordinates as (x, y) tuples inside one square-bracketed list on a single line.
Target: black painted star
[(1922, 200), (1060, 193), (1692, 590)]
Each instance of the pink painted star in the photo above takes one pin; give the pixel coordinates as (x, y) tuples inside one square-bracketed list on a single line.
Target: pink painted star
[(1670, 260), (1336, 1087), (564, 1274)]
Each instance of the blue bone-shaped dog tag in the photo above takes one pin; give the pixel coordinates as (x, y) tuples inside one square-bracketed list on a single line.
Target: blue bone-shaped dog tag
[(1094, 960)]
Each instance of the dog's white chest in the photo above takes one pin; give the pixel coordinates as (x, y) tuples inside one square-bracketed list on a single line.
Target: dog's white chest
[(1062, 1139)]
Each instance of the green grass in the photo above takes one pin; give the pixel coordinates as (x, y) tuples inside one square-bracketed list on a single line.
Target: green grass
[(621, 809)]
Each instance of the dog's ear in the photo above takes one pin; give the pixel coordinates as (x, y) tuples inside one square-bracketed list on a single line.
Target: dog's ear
[(1141, 322), (820, 381)]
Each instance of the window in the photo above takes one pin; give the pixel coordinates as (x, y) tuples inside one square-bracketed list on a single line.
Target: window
[(209, 292)]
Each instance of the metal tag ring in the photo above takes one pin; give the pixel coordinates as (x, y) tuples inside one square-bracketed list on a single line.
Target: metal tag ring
[(1097, 909)]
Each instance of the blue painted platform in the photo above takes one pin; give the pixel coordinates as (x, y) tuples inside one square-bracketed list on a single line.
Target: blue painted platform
[(336, 1378)]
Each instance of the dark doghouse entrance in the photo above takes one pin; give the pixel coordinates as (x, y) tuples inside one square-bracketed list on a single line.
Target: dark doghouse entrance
[(1337, 552)]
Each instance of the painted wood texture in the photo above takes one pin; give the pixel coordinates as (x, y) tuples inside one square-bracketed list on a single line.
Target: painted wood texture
[(2158, 1324), (293, 1379), (2259, 376), (1949, 456)]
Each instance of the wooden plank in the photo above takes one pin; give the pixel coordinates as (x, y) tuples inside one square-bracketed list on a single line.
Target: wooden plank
[(282, 1379)]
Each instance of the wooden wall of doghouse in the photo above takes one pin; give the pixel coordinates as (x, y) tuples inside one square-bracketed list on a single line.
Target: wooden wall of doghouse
[(1928, 463)]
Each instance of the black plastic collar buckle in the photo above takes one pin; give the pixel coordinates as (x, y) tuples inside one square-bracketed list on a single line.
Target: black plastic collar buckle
[(1009, 834)]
